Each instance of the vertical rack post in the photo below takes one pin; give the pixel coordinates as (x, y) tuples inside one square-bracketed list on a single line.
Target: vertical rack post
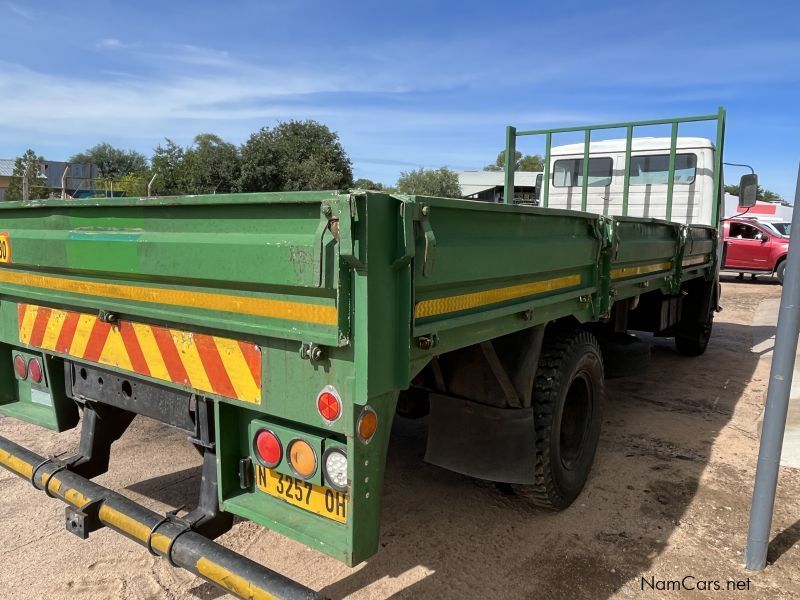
[(626, 186), (511, 156), (673, 144), (546, 178), (585, 176), (718, 160)]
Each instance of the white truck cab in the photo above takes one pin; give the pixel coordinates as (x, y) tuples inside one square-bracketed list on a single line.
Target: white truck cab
[(693, 193)]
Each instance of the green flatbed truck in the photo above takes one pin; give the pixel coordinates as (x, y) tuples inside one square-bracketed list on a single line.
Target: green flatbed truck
[(283, 331)]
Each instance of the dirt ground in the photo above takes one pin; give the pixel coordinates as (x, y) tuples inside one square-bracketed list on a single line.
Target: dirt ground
[(668, 498)]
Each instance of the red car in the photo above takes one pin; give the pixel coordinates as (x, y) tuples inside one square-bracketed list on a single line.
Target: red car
[(755, 248)]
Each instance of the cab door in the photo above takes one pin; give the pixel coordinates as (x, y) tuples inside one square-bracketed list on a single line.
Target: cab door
[(747, 248)]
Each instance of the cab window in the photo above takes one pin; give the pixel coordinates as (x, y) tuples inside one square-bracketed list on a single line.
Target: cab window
[(568, 172), (654, 169), (740, 231)]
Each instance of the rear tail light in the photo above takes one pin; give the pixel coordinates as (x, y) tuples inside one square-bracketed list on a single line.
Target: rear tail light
[(35, 370), (302, 458), (268, 449), (20, 367), (367, 424), (334, 467), (329, 404)]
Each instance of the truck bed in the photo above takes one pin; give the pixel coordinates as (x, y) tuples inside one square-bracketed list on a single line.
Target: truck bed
[(378, 283)]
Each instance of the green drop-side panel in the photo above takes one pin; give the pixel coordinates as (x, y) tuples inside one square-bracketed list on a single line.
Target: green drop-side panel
[(258, 263)]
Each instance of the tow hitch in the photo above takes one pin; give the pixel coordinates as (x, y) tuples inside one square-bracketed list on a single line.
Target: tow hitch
[(91, 506)]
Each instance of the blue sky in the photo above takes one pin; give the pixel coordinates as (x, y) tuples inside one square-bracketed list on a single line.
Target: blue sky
[(405, 84)]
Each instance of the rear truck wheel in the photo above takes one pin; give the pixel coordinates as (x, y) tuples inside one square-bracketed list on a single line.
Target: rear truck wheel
[(780, 270), (693, 330), (568, 403)]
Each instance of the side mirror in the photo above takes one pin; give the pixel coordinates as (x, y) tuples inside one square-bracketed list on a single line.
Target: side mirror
[(537, 191), (748, 190)]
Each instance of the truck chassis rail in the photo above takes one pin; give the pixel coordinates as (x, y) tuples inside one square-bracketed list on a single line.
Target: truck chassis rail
[(91, 506)]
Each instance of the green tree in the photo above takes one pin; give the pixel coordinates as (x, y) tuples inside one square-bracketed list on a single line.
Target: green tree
[(529, 162), (295, 155), (367, 184), (170, 168), (36, 183), (762, 195), (133, 185), (430, 182), (212, 165), (111, 161)]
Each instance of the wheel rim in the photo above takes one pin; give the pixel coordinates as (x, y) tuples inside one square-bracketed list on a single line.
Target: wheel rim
[(575, 419)]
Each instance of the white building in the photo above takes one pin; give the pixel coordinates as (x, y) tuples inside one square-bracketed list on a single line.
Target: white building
[(488, 185), (763, 211)]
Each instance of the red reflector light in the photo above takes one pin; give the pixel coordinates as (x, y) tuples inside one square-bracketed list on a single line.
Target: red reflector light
[(20, 368), (328, 404), (35, 370), (268, 448)]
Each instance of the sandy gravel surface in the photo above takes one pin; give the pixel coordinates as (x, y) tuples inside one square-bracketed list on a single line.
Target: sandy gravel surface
[(669, 497)]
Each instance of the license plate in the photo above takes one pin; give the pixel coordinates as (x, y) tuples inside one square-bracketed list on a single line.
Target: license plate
[(317, 499)]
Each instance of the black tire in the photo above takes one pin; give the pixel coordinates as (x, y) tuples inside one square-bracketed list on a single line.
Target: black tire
[(693, 332), (624, 355), (693, 341), (780, 270), (568, 403)]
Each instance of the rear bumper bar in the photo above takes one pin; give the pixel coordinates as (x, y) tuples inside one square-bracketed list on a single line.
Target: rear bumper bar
[(91, 506)]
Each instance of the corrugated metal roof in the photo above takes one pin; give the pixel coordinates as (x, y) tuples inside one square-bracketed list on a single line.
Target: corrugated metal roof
[(6, 167)]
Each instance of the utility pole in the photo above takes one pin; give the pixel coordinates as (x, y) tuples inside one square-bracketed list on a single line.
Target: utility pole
[(777, 407)]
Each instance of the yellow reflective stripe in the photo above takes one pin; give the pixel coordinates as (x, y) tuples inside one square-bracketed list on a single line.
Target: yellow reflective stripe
[(640, 270), (238, 371), (151, 351), (122, 522), (235, 584), (26, 327), (184, 343), (82, 333), (114, 352), (259, 307), (438, 306), (17, 465), (75, 498), (695, 260)]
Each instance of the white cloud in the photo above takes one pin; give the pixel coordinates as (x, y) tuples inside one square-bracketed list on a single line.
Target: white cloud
[(20, 12), (110, 43)]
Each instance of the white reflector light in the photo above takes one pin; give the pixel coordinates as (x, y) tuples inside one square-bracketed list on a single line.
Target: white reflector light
[(335, 466)]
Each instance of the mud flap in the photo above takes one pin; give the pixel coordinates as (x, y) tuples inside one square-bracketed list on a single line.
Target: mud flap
[(496, 444)]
